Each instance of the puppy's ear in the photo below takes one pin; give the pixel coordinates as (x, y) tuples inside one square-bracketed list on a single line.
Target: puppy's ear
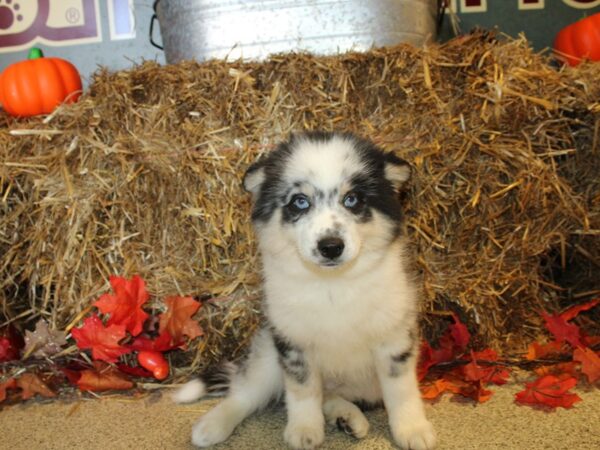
[(254, 177), (396, 170)]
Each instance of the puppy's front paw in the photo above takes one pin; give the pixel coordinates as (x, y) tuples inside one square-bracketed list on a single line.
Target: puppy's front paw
[(212, 428), (304, 436), (414, 435)]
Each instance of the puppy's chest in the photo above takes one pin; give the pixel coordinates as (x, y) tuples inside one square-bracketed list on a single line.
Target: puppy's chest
[(339, 343), (335, 316)]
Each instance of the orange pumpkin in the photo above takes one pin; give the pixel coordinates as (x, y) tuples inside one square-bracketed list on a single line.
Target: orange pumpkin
[(580, 40), (38, 85)]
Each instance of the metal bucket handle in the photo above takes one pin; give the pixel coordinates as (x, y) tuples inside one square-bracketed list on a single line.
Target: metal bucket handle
[(152, 21), (441, 13)]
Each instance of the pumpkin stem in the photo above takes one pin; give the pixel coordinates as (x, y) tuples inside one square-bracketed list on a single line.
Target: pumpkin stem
[(35, 53)]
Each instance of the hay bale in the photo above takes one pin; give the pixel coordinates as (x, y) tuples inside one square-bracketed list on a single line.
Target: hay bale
[(142, 176)]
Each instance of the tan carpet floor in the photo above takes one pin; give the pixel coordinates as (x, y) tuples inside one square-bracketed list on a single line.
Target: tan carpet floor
[(153, 422)]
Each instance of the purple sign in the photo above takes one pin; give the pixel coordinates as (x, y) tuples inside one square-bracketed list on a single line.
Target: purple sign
[(23, 22)]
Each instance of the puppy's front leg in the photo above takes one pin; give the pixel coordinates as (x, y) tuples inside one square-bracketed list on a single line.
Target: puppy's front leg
[(305, 427), (396, 369)]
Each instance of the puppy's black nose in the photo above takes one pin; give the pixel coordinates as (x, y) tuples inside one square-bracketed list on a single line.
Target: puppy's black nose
[(331, 247)]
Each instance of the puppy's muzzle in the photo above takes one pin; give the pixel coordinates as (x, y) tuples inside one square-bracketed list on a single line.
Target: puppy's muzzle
[(331, 247)]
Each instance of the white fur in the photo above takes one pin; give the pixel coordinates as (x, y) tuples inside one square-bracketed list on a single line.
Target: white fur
[(348, 320), (327, 167), (190, 392)]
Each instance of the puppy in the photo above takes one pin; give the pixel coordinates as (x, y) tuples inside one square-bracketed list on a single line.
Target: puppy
[(341, 310)]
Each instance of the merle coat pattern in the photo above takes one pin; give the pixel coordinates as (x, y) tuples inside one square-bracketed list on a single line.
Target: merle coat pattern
[(340, 305)]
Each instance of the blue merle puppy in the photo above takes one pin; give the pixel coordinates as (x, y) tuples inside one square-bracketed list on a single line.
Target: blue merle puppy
[(341, 308)]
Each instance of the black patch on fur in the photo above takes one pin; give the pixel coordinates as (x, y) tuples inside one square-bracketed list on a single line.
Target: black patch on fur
[(291, 359), (402, 357), (291, 213), (271, 194), (217, 379), (398, 361), (376, 190), (365, 405)]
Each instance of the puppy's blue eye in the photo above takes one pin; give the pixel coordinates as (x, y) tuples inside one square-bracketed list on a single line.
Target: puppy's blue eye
[(351, 200), (300, 202)]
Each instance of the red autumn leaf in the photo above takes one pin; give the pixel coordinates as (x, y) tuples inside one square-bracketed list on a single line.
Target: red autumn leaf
[(561, 370), (451, 345), (11, 343), (591, 341), (125, 306), (177, 320), (539, 351), (72, 375), (562, 330), (485, 355), (460, 334), (429, 357), (103, 341), (549, 391), (572, 312), (485, 374), (136, 371), (590, 363), (103, 377), (31, 384), (7, 351), (425, 360), (9, 384), (161, 343), (475, 391)]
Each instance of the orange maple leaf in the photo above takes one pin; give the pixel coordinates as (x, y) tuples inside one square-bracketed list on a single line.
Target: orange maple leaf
[(549, 391), (125, 307), (433, 390), (103, 341), (452, 382), (536, 350), (566, 369), (590, 362), (31, 384), (177, 320), (103, 377)]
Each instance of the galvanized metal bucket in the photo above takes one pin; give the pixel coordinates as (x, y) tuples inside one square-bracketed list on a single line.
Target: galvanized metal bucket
[(253, 29)]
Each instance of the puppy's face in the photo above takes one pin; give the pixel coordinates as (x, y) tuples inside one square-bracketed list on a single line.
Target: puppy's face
[(326, 198)]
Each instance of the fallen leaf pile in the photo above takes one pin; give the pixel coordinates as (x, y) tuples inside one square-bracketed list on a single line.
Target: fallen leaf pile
[(470, 377), (561, 363), (120, 327)]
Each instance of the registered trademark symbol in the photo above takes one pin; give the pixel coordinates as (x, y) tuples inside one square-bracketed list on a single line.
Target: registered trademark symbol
[(72, 15)]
